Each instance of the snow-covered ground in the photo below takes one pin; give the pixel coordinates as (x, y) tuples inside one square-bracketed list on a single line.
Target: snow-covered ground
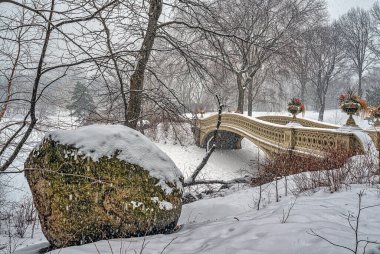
[(231, 223), (223, 164)]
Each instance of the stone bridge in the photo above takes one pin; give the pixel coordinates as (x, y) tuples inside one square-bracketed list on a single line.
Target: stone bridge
[(274, 134)]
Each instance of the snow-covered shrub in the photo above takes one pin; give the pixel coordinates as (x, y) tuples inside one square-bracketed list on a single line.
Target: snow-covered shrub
[(333, 171), (337, 171)]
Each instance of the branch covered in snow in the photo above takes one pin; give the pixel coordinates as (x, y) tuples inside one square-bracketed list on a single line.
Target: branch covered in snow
[(191, 180)]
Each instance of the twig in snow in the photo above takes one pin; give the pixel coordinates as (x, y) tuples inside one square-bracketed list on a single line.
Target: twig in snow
[(355, 228), (167, 245), (285, 214)]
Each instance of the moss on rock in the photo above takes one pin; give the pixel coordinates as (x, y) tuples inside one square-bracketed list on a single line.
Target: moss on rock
[(80, 200)]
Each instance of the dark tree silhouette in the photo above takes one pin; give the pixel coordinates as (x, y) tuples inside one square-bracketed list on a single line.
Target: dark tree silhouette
[(82, 103)]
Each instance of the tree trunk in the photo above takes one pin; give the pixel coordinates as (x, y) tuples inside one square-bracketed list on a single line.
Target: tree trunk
[(4, 107), (33, 99), (303, 90), (137, 78), (322, 108), (360, 90), (250, 97), (378, 149), (118, 72), (239, 80)]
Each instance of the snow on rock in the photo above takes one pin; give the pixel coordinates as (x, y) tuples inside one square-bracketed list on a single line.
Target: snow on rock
[(164, 205), (99, 185), (96, 141)]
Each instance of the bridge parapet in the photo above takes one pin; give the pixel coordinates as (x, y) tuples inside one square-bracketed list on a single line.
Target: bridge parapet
[(275, 138), (284, 120)]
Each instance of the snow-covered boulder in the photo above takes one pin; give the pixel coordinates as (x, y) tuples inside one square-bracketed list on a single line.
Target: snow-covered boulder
[(101, 182)]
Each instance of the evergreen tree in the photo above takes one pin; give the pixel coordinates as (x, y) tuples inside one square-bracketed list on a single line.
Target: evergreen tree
[(373, 95), (82, 103)]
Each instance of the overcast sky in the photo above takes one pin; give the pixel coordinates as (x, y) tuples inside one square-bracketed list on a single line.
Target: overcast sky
[(339, 7)]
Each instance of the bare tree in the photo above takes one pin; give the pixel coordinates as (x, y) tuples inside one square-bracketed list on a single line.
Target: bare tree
[(116, 66), (326, 58), (50, 48), (13, 56), (356, 31), (297, 59), (137, 78), (85, 34), (375, 41), (258, 30), (255, 86)]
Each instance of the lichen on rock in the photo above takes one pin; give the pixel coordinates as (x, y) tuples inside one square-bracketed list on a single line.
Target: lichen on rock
[(81, 198)]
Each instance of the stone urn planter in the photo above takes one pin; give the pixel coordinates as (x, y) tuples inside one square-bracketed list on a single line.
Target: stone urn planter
[(350, 108), (296, 106), (352, 104), (294, 110)]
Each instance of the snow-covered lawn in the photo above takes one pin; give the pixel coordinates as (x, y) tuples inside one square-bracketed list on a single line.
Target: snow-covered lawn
[(231, 224), (223, 164)]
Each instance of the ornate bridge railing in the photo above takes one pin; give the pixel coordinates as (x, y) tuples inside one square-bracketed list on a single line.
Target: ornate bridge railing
[(283, 120), (272, 135)]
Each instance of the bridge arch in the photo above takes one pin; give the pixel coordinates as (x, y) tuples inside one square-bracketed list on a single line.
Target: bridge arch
[(225, 140), (231, 138)]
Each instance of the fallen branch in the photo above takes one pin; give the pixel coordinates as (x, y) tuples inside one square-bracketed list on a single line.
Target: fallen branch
[(233, 181)]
